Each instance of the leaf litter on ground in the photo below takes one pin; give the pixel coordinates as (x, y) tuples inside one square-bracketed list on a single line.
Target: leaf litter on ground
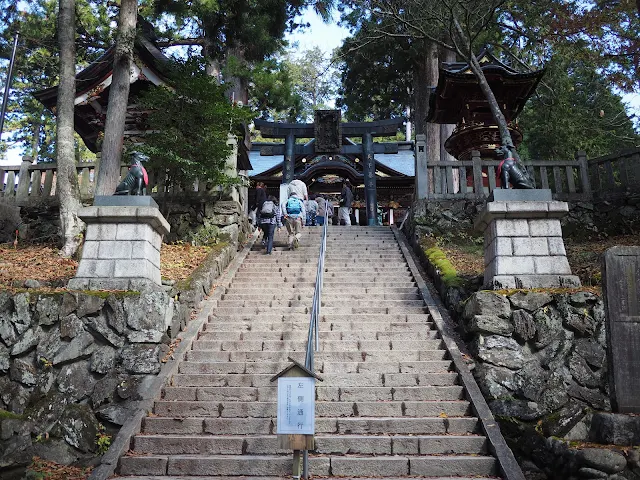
[(41, 262)]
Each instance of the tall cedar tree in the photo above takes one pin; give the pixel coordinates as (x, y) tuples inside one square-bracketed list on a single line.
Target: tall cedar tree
[(452, 24), (37, 66), (109, 170), (67, 179)]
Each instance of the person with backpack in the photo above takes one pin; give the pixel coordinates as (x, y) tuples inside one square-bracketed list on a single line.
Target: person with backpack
[(261, 196), (346, 199), (312, 208), (270, 218), (299, 189), (322, 206), (294, 216)]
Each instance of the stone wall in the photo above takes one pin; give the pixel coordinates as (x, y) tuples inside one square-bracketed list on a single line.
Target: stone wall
[(72, 366), (186, 214), (584, 220), (540, 357), (540, 360)]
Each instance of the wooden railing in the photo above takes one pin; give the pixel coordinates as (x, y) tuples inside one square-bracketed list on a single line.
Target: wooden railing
[(615, 175), (30, 184), (580, 179), (477, 178)]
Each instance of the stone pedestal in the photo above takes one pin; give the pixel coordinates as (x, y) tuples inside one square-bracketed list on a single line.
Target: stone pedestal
[(122, 245), (523, 245)]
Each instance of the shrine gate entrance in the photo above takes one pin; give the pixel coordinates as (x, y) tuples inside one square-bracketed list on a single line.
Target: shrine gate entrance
[(331, 149)]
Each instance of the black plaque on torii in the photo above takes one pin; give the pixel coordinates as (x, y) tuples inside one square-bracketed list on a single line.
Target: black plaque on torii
[(327, 131), (330, 135)]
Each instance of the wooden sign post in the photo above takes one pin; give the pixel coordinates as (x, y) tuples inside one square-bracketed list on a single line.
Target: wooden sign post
[(296, 411)]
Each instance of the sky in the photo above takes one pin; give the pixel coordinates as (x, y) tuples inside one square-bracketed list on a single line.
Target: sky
[(327, 37), (319, 34)]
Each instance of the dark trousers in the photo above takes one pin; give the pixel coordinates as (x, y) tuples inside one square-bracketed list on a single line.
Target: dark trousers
[(269, 229)]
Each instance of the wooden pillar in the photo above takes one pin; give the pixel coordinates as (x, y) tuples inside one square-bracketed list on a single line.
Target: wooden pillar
[(24, 181), (289, 162), (370, 179), (581, 157), (421, 168)]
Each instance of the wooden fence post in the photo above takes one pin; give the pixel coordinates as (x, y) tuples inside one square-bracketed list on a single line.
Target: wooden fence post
[(581, 157), (24, 180), (478, 186)]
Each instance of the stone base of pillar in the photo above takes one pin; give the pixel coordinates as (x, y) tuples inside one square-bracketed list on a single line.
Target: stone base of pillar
[(523, 244), (121, 249)]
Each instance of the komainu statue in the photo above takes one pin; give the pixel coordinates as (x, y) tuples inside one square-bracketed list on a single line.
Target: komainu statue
[(136, 181), (510, 171)]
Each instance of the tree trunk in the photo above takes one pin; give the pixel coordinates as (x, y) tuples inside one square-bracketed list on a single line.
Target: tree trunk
[(212, 68), (446, 129), (239, 91), (35, 142), (498, 116), (420, 94), (432, 130), (109, 173), (67, 178)]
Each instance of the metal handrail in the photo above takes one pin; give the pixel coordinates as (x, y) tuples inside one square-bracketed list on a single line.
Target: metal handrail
[(315, 315), (315, 308)]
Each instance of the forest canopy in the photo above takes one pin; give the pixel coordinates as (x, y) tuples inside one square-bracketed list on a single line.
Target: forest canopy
[(589, 49)]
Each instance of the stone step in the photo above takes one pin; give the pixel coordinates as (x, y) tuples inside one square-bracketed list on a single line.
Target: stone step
[(340, 295), (335, 364), (193, 393), (284, 346), (303, 318), (310, 254), (351, 310), (324, 444), (300, 335), (382, 366), (384, 258), (372, 282), (183, 417), (330, 409), (370, 264), (326, 301), (262, 477), (275, 278), (337, 466), (210, 397), (291, 288), (273, 357), (288, 326)]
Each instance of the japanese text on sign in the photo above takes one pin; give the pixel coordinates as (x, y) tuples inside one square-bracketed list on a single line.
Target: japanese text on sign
[(296, 405)]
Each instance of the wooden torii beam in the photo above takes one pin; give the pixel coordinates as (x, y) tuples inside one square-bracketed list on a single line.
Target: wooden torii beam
[(333, 135)]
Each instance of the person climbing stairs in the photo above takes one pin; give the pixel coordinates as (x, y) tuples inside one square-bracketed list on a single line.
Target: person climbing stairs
[(393, 403)]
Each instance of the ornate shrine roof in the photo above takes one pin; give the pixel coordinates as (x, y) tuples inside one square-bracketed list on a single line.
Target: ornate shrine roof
[(398, 165), (458, 92), (92, 89), (92, 95)]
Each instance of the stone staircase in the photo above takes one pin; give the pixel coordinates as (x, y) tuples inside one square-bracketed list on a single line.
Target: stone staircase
[(391, 404)]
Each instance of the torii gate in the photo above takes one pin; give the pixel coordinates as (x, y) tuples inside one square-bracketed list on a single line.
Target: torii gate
[(330, 136)]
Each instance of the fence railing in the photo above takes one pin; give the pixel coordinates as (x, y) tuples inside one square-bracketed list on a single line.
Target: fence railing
[(29, 184), (580, 179), (615, 175), (478, 177)]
